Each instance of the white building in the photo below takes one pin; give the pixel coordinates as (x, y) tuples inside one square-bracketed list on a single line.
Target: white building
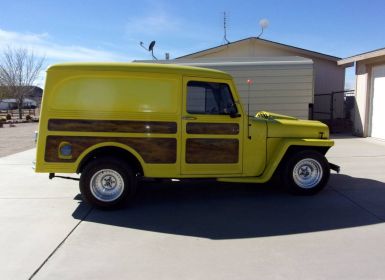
[(327, 76), (369, 116)]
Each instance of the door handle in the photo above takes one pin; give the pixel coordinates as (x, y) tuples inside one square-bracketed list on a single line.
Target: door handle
[(188, 118)]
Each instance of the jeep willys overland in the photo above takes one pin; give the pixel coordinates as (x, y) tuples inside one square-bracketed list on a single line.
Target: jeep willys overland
[(114, 123)]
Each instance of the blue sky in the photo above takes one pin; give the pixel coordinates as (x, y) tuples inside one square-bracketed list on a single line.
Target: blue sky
[(111, 30)]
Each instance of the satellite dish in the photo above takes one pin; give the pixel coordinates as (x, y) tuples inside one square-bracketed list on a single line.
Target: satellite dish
[(151, 46), (263, 23)]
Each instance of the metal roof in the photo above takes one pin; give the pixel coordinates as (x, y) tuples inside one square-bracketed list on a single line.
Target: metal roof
[(292, 48), (362, 56), (237, 61)]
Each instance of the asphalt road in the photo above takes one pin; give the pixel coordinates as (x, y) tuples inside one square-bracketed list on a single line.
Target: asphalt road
[(198, 230)]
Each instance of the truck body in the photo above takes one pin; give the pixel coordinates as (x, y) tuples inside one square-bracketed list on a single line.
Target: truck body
[(164, 121)]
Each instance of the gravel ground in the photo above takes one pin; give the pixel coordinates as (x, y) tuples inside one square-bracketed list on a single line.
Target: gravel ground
[(17, 139)]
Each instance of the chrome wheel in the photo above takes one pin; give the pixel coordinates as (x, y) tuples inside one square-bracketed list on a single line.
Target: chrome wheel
[(107, 185), (307, 173)]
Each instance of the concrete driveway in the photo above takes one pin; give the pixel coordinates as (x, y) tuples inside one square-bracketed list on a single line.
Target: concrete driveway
[(198, 230)]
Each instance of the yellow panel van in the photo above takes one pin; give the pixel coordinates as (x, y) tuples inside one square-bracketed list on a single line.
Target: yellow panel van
[(116, 122)]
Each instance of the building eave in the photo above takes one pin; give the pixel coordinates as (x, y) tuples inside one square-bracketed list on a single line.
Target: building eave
[(362, 56), (292, 48)]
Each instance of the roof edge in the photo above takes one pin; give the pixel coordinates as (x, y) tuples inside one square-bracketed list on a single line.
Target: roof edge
[(135, 66), (236, 61), (326, 56), (362, 56)]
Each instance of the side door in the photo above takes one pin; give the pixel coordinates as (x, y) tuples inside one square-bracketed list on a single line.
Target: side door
[(212, 123)]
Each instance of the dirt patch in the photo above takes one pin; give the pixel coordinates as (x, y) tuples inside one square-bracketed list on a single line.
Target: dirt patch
[(17, 139)]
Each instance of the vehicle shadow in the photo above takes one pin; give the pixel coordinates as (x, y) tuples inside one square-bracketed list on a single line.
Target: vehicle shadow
[(227, 211), (343, 135)]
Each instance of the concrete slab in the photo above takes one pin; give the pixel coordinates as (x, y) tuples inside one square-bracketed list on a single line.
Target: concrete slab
[(35, 215), (224, 232), (200, 230), (363, 172), (17, 171), (96, 251)]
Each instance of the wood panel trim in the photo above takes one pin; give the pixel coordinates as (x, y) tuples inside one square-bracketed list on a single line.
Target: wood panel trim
[(152, 150), (203, 150), (112, 126), (212, 128)]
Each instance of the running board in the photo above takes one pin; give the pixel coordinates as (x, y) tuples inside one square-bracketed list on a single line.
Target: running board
[(52, 175), (247, 180)]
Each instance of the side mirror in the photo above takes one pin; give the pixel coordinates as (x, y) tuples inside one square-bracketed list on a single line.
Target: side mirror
[(235, 115)]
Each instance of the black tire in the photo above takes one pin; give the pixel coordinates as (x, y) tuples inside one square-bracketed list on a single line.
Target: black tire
[(305, 172), (107, 183)]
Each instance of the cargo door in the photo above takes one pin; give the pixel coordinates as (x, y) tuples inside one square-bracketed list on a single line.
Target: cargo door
[(211, 128)]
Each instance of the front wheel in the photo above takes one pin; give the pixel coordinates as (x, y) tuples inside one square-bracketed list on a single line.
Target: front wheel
[(107, 183), (306, 172)]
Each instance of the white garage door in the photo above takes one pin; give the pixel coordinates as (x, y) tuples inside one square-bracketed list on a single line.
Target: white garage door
[(378, 105)]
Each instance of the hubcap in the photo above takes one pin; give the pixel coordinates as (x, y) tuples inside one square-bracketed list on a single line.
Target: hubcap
[(107, 185), (307, 173)]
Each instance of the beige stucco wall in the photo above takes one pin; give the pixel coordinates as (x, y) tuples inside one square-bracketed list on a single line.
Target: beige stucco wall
[(328, 78), (364, 95), (328, 75), (362, 88)]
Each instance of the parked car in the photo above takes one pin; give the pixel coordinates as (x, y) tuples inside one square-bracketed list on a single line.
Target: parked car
[(11, 104), (8, 104)]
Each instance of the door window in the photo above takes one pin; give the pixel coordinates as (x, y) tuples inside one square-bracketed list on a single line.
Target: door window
[(209, 98)]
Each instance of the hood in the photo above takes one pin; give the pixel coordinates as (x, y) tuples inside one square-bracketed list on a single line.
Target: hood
[(291, 127), (273, 116)]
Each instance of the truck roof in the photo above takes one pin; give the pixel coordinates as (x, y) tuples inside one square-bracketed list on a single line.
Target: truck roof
[(139, 67)]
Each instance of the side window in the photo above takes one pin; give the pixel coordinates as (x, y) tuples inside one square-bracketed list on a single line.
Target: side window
[(209, 98)]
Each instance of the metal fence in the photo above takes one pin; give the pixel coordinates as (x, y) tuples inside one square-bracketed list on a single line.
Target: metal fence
[(337, 110), (15, 113)]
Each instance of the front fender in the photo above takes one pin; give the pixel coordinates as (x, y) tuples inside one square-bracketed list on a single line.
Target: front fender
[(277, 148)]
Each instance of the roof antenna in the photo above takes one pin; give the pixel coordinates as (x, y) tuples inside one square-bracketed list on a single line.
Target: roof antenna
[(150, 48), (263, 23), (249, 84), (225, 28)]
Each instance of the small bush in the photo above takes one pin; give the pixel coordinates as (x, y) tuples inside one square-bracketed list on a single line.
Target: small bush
[(28, 118), (8, 117), (3, 120)]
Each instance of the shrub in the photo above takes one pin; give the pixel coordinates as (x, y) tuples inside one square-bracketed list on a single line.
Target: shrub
[(28, 118), (8, 117)]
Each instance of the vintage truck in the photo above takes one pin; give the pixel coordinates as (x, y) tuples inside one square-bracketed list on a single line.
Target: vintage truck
[(114, 123)]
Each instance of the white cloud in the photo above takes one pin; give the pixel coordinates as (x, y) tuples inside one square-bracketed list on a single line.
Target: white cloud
[(41, 45)]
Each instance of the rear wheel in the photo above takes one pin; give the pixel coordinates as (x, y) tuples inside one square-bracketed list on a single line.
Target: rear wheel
[(306, 172), (107, 183)]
